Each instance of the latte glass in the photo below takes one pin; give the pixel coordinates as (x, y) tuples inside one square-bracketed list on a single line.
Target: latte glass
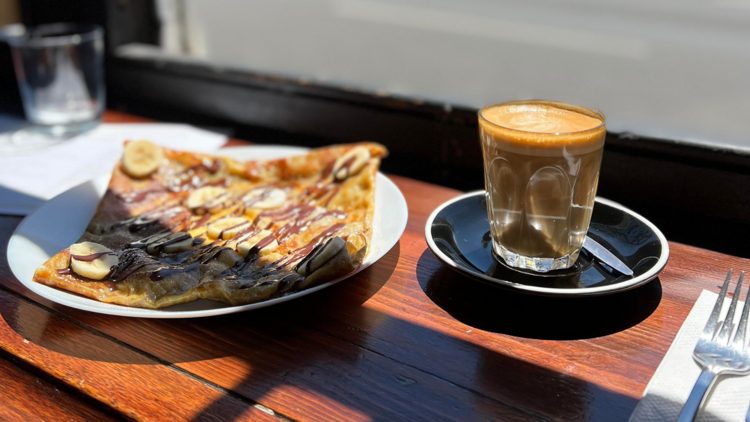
[(541, 166)]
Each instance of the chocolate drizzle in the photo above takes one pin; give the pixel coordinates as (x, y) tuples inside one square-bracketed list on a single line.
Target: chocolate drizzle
[(259, 197), (309, 256), (254, 252), (200, 222), (214, 203), (211, 166), (311, 191), (221, 182), (131, 261), (333, 193), (287, 283), (246, 234), (159, 241), (346, 165), (317, 240), (196, 176), (286, 213), (185, 184), (221, 233), (300, 225), (210, 253), (135, 262), (328, 170), (150, 217), (91, 257), (325, 187), (195, 182), (64, 271), (164, 272), (318, 190)]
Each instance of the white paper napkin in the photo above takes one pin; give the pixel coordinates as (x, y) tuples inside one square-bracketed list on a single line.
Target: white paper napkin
[(674, 378), (27, 180)]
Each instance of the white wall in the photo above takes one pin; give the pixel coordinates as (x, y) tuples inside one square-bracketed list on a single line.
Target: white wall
[(664, 68)]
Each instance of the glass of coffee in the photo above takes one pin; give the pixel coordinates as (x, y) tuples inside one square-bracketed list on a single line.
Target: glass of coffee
[(541, 169)]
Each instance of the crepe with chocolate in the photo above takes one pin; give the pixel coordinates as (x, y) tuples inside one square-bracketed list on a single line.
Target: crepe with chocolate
[(174, 227)]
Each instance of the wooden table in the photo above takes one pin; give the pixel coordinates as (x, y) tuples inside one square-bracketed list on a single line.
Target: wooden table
[(407, 339)]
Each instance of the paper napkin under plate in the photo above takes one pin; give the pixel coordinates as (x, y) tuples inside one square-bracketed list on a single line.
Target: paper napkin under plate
[(670, 386), (27, 180)]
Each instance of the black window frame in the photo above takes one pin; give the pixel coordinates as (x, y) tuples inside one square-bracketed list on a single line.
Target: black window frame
[(698, 194)]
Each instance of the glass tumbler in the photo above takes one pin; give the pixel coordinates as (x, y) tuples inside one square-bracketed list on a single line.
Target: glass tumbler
[(60, 74), (541, 162)]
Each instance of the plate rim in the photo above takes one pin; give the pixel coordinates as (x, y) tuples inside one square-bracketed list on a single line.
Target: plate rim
[(546, 291), (164, 313)]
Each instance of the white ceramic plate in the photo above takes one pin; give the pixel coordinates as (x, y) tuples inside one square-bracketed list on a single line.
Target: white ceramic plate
[(62, 220)]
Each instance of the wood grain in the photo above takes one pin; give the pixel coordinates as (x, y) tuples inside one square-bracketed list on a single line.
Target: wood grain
[(27, 397), (399, 306), (112, 116), (129, 382), (303, 373), (407, 339)]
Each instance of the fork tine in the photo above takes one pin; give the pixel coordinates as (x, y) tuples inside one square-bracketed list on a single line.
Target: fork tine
[(739, 337), (726, 328), (713, 320)]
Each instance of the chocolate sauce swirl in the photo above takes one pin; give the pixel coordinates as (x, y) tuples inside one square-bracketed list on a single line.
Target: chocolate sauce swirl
[(200, 222), (150, 217), (300, 225), (347, 166), (211, 166), (259, 197), (254, 252), (91, 257), (248, 272), (161, 240), (164, 272), (317, 240)]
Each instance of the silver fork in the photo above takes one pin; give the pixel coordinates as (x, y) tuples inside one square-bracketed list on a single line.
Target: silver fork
[(716, 353)]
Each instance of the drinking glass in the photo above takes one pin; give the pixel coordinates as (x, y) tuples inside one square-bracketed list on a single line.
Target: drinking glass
[(60, 74), (541, 184)]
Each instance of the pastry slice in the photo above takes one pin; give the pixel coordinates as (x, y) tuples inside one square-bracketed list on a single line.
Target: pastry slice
[(174, 227)]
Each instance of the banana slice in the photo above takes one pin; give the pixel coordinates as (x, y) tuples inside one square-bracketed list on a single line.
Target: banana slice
[(244, 247), (141, 158), (351, 163), (92, 260), (320, 255), (207, 197), (264, 199), (227, 228), (181, 246)]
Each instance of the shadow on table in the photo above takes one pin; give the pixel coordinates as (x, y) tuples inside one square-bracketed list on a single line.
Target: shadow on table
[(330, 332), (501, 310), (423, 352), (654, 407), (183, 340)]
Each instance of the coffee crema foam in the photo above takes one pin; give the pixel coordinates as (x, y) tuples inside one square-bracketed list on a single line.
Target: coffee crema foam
[(539, 118), (541, 126)]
